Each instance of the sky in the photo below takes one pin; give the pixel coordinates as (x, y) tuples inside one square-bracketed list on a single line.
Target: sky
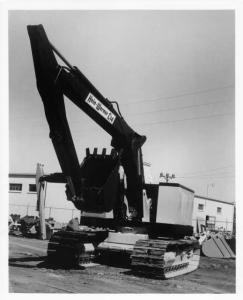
[(172, 73)]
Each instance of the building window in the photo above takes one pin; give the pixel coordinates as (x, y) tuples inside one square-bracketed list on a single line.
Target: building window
[(200, 207), (32, 188), (219, 210), (15, 187)]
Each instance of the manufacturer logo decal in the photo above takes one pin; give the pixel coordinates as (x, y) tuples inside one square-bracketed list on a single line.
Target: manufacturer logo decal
[(100, 108)]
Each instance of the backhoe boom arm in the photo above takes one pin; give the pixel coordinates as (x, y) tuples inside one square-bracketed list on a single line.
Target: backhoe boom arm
[(55, 81)]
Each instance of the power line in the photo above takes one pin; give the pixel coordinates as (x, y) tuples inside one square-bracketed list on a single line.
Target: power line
[(174, 109), (219, 175), (182, 95), (210, 170), (179, 108), (187, 119), (207, 177), (215, 175), (169, 121)]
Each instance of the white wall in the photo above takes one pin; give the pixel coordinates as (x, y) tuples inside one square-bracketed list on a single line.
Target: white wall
[(19, 200), (24, 202), (56, 198), (223, 220)]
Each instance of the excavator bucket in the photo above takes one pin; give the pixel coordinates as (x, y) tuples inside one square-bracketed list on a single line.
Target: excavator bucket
[(101, 181), (217, 247)]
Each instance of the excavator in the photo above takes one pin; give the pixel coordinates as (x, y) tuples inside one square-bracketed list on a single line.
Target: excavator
[(120, 212)]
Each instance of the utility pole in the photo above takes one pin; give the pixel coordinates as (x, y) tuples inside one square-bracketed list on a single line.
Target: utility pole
[(167, 176), (40, 188), (234, 223), (208, 185)]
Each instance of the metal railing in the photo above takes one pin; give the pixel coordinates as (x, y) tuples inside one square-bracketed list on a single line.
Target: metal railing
[(219, 225), (50, 211)]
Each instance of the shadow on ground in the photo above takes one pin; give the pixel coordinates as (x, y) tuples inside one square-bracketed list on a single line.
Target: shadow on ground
[(22, 262)]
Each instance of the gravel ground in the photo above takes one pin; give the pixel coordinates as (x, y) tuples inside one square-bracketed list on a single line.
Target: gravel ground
[(29, 273)]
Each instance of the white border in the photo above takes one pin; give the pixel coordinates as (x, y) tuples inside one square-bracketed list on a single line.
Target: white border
[(110, 5)]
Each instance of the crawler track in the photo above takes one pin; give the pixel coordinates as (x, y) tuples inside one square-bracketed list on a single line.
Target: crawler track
[(69, 248), (161, 258), (165, 258)]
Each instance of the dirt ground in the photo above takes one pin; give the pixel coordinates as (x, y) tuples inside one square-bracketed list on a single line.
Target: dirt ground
[(29, 273)]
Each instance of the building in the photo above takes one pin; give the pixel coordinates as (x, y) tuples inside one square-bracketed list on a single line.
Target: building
[(213, 213), (216, 214), (23, 198), (22, 194)]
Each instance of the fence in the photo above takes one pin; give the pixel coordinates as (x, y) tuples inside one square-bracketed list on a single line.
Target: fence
[(218, 225), (59, 214)]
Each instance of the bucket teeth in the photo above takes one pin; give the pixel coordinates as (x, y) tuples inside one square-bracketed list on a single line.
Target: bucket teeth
[(87, 152), (104, 151)]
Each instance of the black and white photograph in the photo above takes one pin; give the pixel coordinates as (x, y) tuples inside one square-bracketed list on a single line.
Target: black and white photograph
[(121, 138)]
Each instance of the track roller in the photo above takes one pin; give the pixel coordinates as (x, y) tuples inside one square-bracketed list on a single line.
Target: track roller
[(165, 258)]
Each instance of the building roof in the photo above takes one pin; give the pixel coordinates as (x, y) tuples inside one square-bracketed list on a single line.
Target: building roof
[(21, 175), (212, 199), (176, 185)]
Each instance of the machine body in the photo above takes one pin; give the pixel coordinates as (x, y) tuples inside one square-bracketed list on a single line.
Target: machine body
[(151, 223)]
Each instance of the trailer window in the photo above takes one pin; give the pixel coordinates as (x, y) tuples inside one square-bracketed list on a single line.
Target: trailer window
[(32, 188), (15, 187), (219, 210), (200, 207)]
